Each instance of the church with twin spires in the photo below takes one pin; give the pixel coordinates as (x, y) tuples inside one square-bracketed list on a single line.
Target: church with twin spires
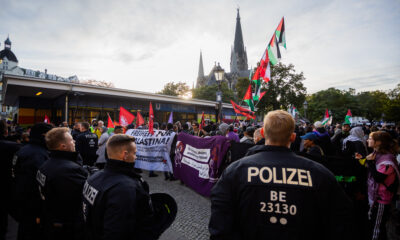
[(238, 65)]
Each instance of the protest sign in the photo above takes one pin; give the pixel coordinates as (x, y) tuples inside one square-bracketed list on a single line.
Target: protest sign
[(198, 160), (153, 151)]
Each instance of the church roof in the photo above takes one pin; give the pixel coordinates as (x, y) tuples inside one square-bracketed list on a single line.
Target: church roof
[(238, 45), (9, 54)]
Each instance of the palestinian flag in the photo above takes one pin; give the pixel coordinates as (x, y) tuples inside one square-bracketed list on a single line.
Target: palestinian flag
[(243, 111), (274, 53), (348, 118), (265, 67), (248, 98), (280, 33), (294, 112), (262, 95), (326, 118)]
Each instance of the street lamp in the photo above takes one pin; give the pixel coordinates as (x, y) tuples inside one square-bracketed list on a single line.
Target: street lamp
[(219, 75), (305, 105)]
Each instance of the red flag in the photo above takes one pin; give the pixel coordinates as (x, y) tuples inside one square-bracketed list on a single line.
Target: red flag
[(242, 111), (151, 119), (125, 117), (110, 122), (46, 119), (202, 122), (262, 95), (349, 113), (326, 114), (139, 119)]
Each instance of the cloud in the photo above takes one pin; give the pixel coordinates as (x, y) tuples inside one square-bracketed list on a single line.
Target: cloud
[(334, 43)]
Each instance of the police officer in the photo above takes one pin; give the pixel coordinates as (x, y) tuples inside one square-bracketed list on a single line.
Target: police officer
[(7, 151), (116, 200), (25, 166), (275, 194), (87, 145), (61, 180)]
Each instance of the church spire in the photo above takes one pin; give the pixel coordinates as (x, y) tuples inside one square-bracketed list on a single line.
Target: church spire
[(201, 68), (238, 49)]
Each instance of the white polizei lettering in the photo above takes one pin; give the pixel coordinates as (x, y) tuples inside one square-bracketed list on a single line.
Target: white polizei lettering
[(89, 193), (292, 174), (252, 172), (284, 175), (262, 175), (274, 174), (273, 196), (301, 174), (309, 179), (41, 178)]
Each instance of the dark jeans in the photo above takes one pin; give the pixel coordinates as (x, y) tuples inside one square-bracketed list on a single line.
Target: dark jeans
[(29, 229)]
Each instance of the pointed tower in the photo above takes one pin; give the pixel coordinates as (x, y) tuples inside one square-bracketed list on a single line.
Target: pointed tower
[(200, 77), (238, 54)]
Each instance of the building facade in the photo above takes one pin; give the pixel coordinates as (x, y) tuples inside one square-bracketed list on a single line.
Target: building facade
[(28, 95)]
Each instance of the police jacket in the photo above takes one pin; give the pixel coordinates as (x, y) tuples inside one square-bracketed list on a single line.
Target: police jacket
[(61, 181), (117, 203), (87, 145), (25, 166), (275, 194), (7, 151)]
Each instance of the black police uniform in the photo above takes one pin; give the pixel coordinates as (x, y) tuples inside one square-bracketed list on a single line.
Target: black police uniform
[(117, 204), (25, 166), (61, 180), (7, 151), (275, 194), (87, 145)]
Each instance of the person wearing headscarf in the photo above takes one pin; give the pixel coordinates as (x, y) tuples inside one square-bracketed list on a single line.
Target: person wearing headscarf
[(101, 151), (354, 143)]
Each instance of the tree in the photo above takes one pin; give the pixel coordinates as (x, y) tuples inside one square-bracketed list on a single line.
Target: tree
[(392, 109), (209, 92), (285, 88), (241, 87), (175, 89)]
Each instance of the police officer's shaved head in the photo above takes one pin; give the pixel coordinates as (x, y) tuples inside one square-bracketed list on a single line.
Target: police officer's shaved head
[(278, 127), (121, 147), (59, 136), (85, 125)]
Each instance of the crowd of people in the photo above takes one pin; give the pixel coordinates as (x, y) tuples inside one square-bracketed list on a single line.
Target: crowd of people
[(45, 170)]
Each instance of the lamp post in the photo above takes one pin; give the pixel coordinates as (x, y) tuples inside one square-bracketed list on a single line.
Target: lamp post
[(219, 75), (305, 105)]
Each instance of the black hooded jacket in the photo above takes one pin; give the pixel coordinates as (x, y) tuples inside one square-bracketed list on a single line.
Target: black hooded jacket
[(275, 194)]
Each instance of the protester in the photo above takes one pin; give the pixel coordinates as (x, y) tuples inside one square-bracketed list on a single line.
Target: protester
[(227, 131), (383, 180), (117, 204), (354, 143), (323, 138), (101, 151), (248, 136), (76, 131), (259, 137), (87, 145), (61, 180), (310, 146), (25, 166), (7, 150), (275, 194)]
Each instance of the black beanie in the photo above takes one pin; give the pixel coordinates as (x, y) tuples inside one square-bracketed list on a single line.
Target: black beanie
[(39, 129)]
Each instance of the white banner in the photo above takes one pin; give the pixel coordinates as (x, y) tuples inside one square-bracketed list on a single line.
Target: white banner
[(153, 151)]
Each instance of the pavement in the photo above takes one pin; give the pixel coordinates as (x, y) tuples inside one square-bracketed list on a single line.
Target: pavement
[(191, 220)]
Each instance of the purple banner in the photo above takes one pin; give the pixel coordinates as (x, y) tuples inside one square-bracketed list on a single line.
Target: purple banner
[(198, 160)]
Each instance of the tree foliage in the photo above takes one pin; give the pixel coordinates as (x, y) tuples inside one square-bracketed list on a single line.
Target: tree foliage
[(373, 105), (285, 88), (98, 83), (175, 89), (209, 92)]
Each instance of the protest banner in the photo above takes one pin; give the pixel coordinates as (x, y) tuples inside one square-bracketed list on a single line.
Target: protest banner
[(152, 151), (198, 160)]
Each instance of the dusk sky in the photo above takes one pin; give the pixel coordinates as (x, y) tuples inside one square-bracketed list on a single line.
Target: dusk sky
[(142, 45)]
